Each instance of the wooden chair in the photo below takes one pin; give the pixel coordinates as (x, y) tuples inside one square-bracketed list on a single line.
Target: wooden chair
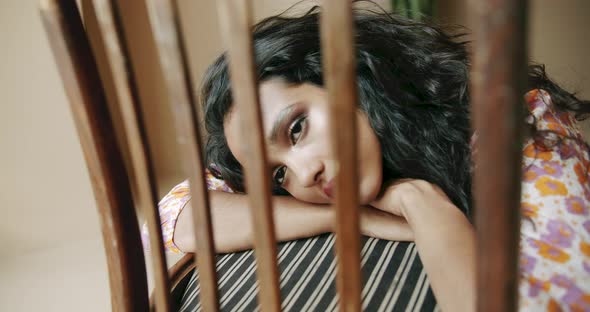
[(100, 62)]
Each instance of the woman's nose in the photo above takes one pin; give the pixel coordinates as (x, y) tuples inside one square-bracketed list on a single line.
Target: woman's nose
[(308, 172)]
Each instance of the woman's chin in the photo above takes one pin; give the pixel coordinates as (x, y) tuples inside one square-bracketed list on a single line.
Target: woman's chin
[(368, 193)]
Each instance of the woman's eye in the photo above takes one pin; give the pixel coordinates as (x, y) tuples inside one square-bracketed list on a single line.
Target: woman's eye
[(279, 176), (297, 129)]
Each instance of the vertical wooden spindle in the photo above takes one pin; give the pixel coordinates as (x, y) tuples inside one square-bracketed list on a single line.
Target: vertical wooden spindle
[(498, 84), (340, 80), (139, 46), (236, 22), (174, 63)]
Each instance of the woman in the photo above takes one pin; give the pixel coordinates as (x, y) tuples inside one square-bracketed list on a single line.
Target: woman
[(414, 157)]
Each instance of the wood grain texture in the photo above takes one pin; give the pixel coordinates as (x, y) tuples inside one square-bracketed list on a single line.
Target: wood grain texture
[(124, 21), (498, 84), (338, 57), (235, 22), (181, 99), (120, 230)]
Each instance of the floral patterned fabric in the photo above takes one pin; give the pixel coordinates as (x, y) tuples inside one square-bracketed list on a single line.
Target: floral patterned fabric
[(555, 227), (172, 204), (555, 232)]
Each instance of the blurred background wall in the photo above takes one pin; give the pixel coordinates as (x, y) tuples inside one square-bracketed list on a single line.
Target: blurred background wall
[(50, 244)]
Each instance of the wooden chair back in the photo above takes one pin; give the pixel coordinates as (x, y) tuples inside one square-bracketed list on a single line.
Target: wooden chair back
[(101, 61)]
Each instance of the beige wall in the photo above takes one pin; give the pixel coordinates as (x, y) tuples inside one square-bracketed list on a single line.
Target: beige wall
[(45, 196), (557, 39)]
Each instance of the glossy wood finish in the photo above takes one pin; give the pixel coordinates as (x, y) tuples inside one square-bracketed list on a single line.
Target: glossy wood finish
[(181, 99), (235, 21), (498, 84), (340, 80), (110, 55), (127, 275)]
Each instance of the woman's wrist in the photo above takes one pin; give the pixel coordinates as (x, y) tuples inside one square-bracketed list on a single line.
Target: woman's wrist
[(297, 219), (420, 201), (384, 225)]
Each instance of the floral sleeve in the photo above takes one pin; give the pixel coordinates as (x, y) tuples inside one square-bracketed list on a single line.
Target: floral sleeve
[(555, 203), (172, 204)]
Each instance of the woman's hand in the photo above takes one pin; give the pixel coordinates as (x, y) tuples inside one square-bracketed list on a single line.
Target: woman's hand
[(384, 225), (385, 218)]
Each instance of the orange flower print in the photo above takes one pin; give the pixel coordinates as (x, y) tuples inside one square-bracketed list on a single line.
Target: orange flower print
[(529, 210), (585, 248), (548, 186), (553, 306), (530, 97), (576, 205), (580, 172), (180, 192), (555, 126), (550, 252), (531, 151), (536, 286), (552, 168), (566, 118), (529, 176)]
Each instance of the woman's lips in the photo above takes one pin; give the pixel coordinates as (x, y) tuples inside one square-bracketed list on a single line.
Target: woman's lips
[(329, 189)]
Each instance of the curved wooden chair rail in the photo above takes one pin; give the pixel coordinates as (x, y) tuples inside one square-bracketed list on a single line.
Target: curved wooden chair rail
[(178, 275), (131, 52)]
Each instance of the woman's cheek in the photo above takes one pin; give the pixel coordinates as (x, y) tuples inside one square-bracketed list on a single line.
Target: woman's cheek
[(369, 190)]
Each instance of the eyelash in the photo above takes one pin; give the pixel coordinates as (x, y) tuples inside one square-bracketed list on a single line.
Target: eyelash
[(300, 121)]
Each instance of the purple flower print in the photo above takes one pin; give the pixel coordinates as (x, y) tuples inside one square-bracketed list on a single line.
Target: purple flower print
[(527, 263), (574, 296), (536, 285), (562, 281), (576, 205), (587, 226), (567, 150), (552, 168), (586, 266), (559, 234)]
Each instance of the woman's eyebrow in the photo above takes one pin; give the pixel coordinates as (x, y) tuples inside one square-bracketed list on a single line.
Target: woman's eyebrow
[(283, 114)]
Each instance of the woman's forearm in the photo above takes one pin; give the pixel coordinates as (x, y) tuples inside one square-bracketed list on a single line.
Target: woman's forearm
[(446, 244), (293, 219), (232, 221)]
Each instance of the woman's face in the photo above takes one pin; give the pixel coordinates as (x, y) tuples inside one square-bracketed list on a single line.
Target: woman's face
[(296, 131)]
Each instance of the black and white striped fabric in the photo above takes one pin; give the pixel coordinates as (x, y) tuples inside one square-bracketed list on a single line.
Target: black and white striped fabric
[(393, 278)]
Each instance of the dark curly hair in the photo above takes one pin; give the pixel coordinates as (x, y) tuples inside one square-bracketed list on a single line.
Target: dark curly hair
[(412, 82)]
